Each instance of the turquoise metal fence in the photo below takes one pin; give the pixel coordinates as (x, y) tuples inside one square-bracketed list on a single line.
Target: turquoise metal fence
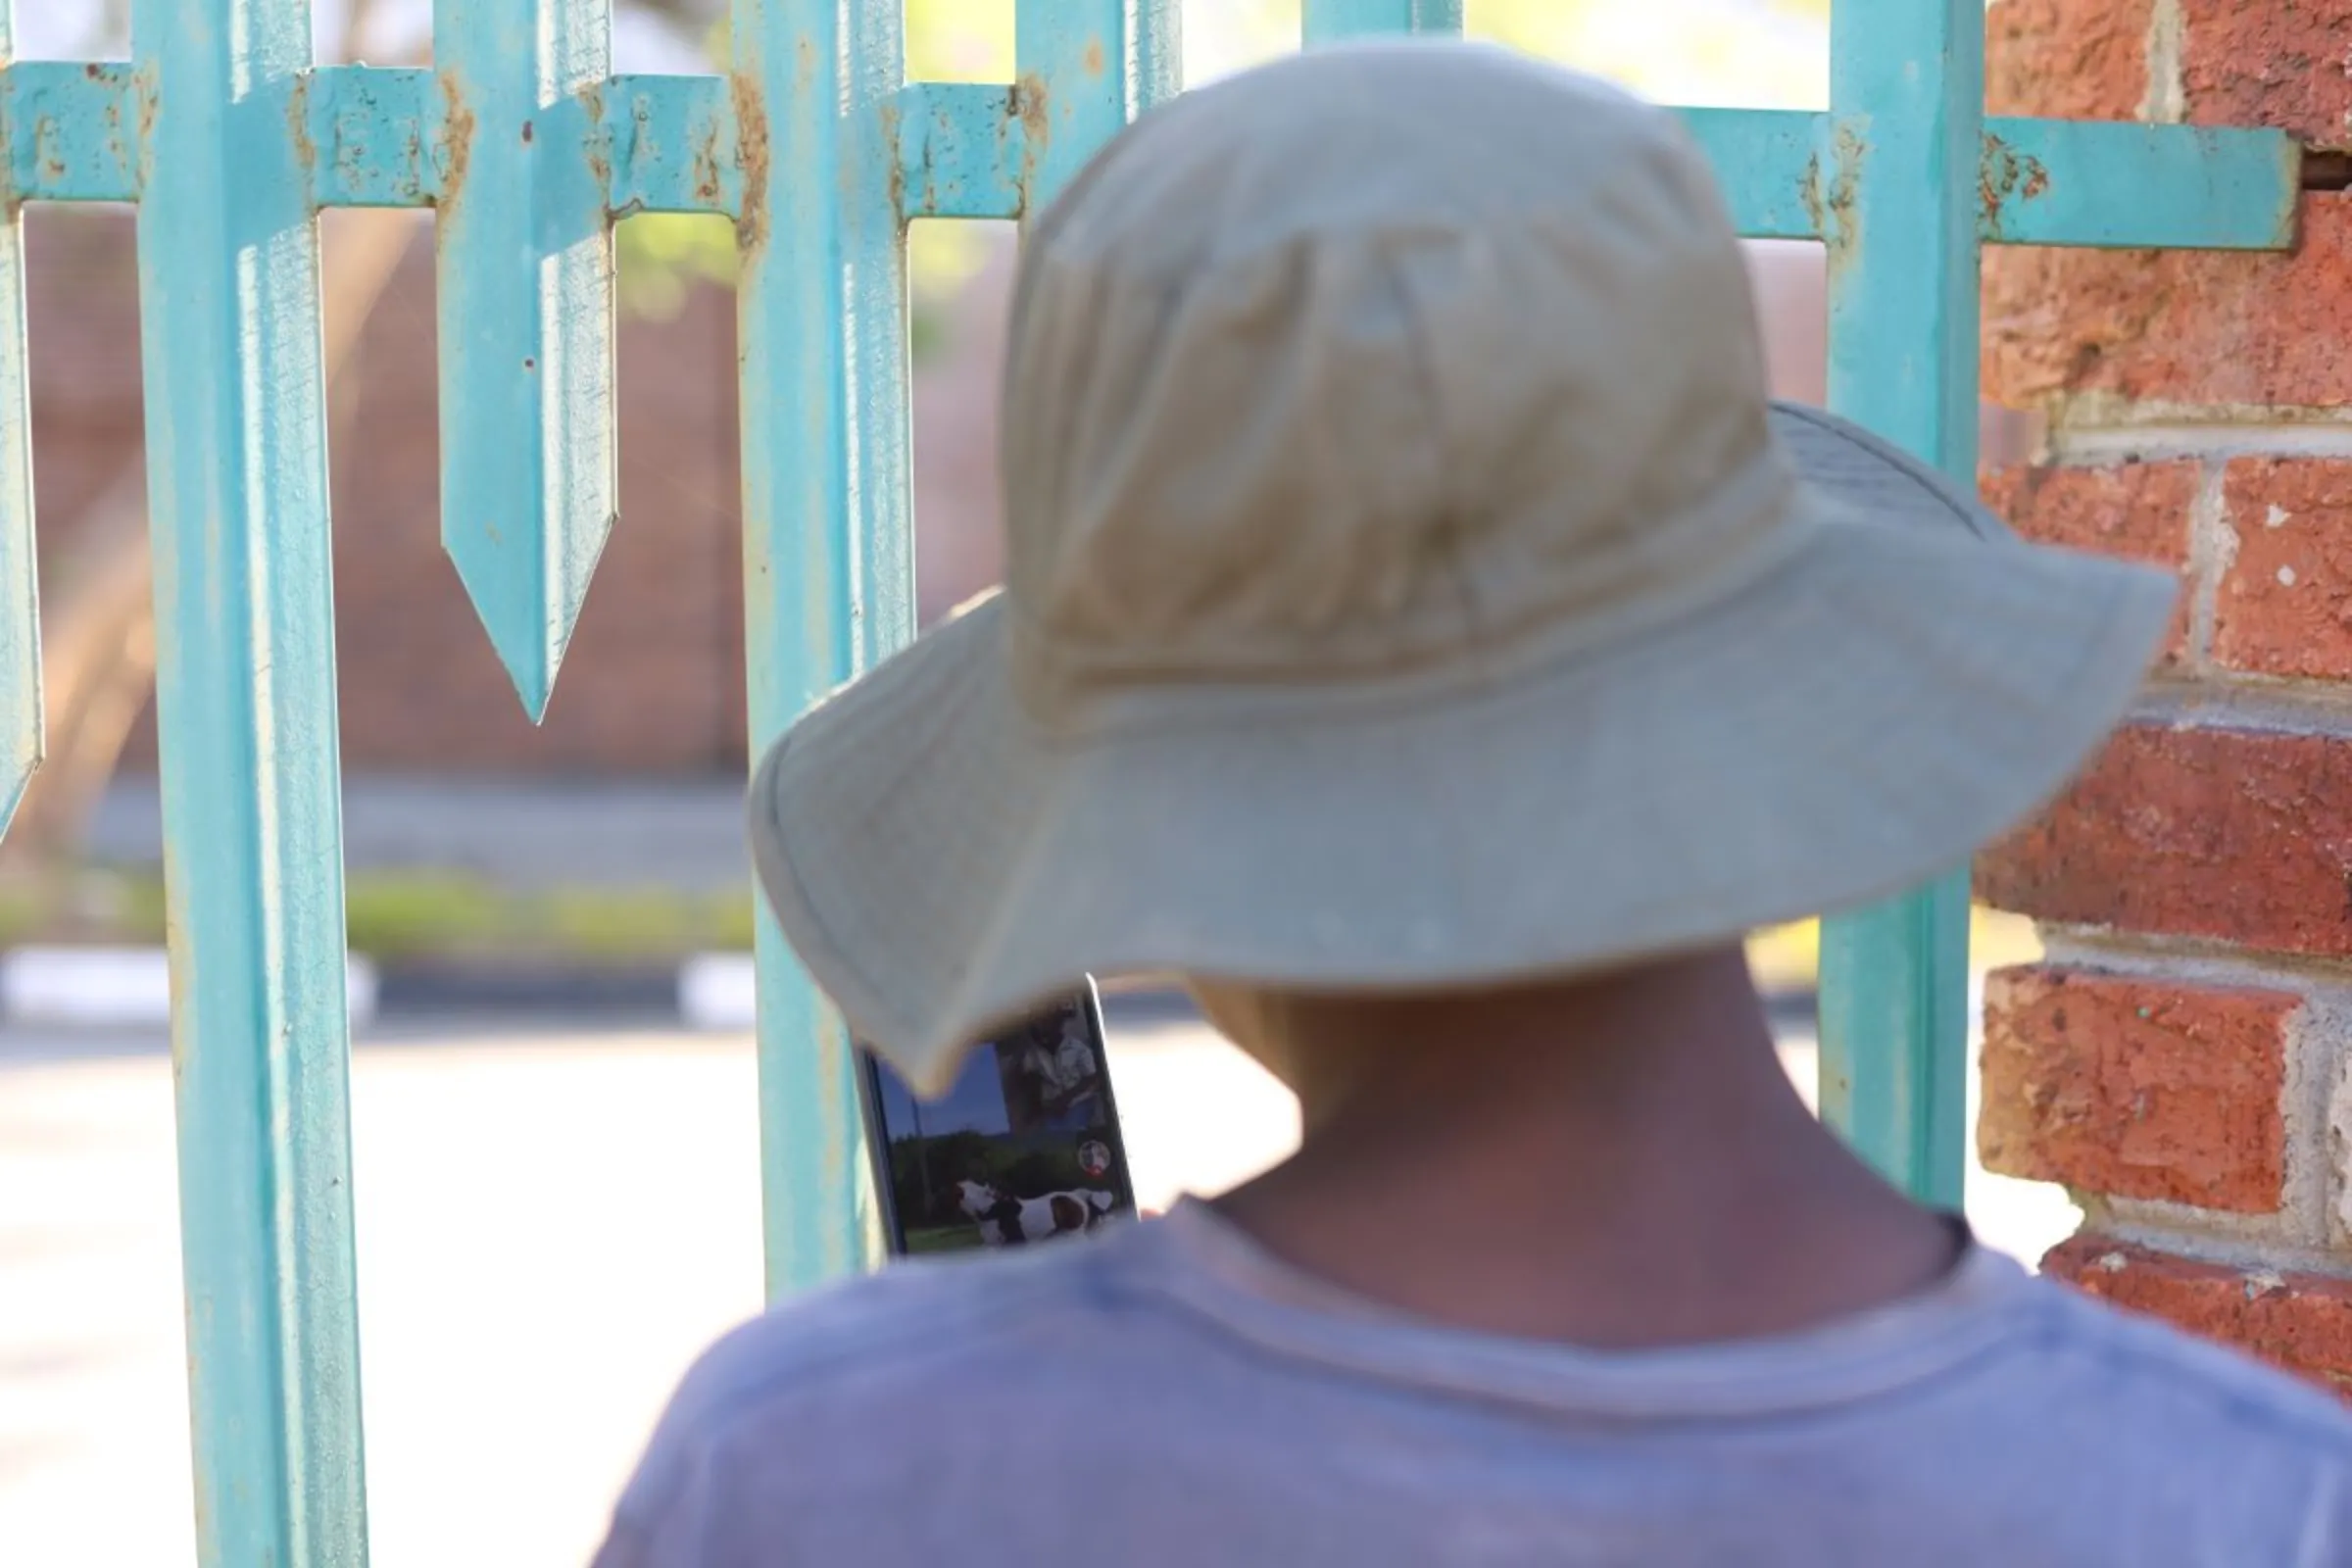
[(820, 151)]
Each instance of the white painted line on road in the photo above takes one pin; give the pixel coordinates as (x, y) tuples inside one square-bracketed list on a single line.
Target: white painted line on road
[(718, 992), (121, 987)]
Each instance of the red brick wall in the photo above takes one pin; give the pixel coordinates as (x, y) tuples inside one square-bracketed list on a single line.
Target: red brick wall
[(652, 681), (2180, 1061)]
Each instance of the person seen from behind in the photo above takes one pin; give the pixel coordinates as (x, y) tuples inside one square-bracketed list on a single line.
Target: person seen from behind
[(1422, 633)]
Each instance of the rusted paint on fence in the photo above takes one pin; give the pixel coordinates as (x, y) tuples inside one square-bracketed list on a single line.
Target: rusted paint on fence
[(2121, 187), (668, 145), (71, 130), (382, 137), (1085, 68), (378, 136), (962, 147), (1766, 160), (1837, 181), (1033, 131), (752, 148), (963, 154), (2006, 179)]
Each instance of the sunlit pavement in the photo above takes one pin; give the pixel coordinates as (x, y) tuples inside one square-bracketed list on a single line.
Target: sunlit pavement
[(550, 1226)]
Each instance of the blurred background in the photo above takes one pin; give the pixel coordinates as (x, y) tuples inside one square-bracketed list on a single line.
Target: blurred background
[(553, 1106)]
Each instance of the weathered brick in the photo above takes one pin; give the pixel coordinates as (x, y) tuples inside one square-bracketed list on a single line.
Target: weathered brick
[(2240, 62), (2139, 510), (2180, 327), (2137, 1088), (2299, 1321), (2237, 835), (647, 685), (2177, 326), (2141, 1086), (2285, 604), (2268, 63), (2071, 58)]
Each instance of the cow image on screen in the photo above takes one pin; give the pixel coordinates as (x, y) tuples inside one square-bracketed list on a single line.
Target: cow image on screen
[(1023, 1146)]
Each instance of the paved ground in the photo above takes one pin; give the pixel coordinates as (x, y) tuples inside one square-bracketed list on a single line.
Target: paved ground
[(550, 1226)]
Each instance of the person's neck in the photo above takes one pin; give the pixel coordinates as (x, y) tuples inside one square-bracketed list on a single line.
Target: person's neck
[(1618, 1163)]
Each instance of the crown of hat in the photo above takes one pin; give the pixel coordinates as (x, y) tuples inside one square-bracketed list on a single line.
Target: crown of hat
[(1369, 360)]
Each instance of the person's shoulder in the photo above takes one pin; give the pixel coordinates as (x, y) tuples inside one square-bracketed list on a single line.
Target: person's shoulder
[(907, 1325), (2136, 1420), (787, 1388), (2192, 1392)]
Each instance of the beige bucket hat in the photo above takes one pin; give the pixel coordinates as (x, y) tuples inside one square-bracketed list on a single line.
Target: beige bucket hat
[(1409, 585)]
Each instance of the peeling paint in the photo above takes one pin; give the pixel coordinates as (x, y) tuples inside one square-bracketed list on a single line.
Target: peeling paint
[(457, 144), (375, 133), (751, 155), (1029, 108), (143, 85), (704, 165), (958, 150), (298, 126), (2006, 177), (599, 148), (48, 154), (1837, 203), (653, 144), (891, 159)]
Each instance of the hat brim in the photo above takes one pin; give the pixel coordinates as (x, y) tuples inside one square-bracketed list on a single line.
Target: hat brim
[(1902, 687)]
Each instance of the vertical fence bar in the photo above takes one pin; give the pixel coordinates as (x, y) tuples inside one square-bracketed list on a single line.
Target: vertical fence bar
[(528, 457), (245, 691), (1331, 20), (1087, 67), (828, 556), (1907, 94), (20, 598)]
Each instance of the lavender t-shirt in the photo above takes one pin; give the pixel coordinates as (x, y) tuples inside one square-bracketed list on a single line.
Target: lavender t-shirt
[(1171, 1394)]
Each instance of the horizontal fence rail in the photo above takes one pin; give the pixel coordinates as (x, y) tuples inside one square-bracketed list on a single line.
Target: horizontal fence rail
[(378, 137), (229, 139)]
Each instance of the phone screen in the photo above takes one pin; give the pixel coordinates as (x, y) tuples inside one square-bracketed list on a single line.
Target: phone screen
[(1023, 1148)]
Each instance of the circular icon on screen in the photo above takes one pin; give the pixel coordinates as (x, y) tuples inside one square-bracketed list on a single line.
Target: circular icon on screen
[(1094, 1157)]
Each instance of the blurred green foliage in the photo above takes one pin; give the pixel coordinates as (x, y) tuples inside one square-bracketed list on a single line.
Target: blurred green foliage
[(410, 916)]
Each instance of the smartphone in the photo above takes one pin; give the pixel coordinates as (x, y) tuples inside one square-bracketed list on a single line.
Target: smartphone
[(1023, 1148)]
